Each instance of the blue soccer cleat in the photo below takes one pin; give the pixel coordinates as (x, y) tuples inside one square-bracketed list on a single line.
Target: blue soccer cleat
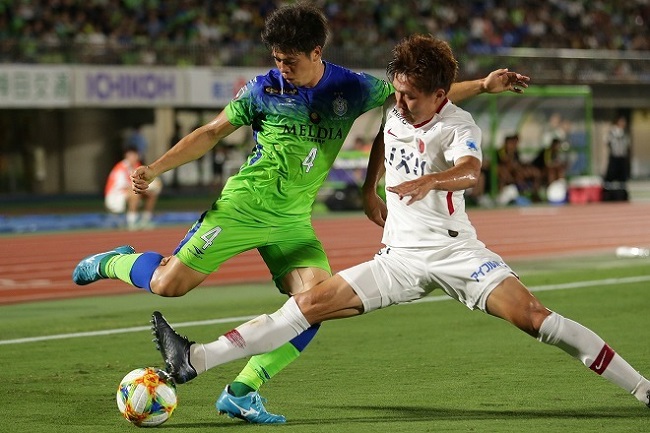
[(249, 407), (87, 271)]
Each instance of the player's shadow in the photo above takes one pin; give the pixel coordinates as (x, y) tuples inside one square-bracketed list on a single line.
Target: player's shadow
[(402, 414)]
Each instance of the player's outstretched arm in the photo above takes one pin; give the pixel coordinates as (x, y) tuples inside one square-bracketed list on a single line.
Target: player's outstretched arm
[(191, 147), (500, 80)]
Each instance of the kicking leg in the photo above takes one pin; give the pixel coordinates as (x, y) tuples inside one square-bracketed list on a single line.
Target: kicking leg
[(511, 301), (164, 276), (332, 299), (150, 271), (185, 359)]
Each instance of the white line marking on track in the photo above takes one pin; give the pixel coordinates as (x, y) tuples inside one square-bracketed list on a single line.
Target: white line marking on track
[(240, 319)]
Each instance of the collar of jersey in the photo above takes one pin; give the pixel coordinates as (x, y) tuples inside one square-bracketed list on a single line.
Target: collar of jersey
[(420, 125), (326, 74)]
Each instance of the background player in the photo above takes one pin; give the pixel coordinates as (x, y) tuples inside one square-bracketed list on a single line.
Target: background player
[(119, 196), (432, 153), (300, 113)]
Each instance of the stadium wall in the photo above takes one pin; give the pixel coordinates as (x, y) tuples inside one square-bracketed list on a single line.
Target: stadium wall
[(62, 127)]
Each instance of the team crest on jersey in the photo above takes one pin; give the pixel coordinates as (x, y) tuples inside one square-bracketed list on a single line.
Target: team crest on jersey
[(421, 145), (314, 117), (340, 106), (472, 146)]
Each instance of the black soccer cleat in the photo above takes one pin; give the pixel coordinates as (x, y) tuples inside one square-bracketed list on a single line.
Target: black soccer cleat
[(175, 349)]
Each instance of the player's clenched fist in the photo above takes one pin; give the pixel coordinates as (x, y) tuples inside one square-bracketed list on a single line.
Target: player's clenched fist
[(141, 178)]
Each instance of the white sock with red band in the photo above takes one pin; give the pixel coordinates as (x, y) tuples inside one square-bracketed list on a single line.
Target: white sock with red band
[(585, 345), (260, 335)]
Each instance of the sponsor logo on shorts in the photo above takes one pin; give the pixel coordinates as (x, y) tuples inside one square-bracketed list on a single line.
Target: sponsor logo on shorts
[(486, 268)]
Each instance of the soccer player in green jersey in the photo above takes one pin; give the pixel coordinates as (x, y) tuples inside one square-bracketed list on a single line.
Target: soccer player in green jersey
[(300, 114)]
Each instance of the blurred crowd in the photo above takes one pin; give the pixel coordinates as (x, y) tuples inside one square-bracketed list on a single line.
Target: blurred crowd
[(226, 32)]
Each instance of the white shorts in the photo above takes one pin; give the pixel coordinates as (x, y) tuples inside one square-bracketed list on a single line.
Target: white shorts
[(115, 202), (466, 270), (155, 187)]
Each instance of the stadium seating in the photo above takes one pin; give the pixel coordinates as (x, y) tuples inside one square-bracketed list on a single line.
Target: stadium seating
[(226, 32)]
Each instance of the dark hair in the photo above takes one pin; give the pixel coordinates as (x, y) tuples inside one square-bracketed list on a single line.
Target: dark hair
[(297, 28), (428, 63), (131, 148)]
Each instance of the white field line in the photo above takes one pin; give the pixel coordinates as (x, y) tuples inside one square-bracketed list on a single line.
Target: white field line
[(240, 319)]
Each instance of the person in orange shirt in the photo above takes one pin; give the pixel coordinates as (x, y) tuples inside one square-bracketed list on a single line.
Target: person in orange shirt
[(120, 198)]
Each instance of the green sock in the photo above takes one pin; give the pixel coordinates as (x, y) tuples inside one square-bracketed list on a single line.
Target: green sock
[(119, 267), (238, 389), (261, 368)]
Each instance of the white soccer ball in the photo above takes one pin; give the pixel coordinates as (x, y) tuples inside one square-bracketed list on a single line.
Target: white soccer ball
[(146, 397)]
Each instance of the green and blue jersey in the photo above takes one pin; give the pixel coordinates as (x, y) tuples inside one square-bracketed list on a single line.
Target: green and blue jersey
[(298, 133)]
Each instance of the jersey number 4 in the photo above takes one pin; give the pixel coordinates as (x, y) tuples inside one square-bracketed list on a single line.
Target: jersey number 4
[(309, 161), (209, 237)]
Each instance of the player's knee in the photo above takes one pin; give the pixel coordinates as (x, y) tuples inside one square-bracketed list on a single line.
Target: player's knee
[(313, 304), (306, 301)]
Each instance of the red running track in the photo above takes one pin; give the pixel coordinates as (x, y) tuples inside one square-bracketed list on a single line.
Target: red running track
[(38, 266)]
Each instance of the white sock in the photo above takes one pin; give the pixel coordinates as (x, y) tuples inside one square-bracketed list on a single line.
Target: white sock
[(131, 219), (260, 335), (146, 217), (585, 345)]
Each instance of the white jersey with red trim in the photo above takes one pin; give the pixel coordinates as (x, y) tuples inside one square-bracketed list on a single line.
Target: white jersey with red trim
[(412, 151)]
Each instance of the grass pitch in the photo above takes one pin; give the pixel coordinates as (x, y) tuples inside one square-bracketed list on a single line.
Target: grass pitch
[(426, 366)]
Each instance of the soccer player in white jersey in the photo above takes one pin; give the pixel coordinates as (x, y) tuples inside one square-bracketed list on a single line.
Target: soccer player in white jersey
[(431, 153)]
